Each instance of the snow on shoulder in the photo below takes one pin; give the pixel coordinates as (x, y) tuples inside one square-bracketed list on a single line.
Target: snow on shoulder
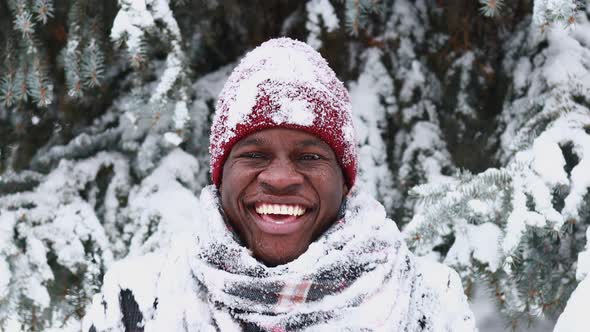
[(358, 275)]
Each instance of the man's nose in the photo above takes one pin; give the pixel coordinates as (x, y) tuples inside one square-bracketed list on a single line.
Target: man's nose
[(281, 176)]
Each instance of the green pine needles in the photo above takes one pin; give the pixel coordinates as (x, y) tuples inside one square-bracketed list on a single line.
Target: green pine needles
[(25, 74)]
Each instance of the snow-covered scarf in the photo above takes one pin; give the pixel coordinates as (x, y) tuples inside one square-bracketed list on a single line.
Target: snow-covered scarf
[(356, 275)]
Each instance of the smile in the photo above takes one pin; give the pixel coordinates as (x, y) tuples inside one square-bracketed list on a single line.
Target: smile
[(279, 219), (280, 209)]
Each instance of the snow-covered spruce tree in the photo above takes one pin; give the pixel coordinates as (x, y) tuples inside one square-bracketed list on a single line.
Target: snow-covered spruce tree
[(94, 192), (521, 227), (88, 178), (105, 108), (418, 151)]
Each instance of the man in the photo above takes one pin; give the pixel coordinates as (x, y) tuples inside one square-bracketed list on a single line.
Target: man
[(286, 241)]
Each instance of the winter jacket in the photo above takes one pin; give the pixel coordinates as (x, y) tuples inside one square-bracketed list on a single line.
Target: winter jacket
[(358, 276)]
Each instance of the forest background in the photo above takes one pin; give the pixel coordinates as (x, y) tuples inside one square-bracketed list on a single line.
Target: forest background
[(472, 119)]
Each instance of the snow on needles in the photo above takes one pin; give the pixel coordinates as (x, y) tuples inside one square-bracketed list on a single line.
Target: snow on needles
[(547, 11), (373, 85), (54, 220), (317, 9), (131, 23)]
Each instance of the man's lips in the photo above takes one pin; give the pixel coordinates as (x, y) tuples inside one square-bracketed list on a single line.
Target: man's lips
[(279, 219)]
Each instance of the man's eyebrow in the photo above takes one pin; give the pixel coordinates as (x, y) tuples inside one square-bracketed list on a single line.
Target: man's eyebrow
[(249, 141), (312, 142)]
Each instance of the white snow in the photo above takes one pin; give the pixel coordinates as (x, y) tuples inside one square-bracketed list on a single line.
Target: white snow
[(172, 138), (130, 25), (316, 10), (575, 317), (414, 78), (170, 276), (522, 73), (52, 218), (373, 84), (283, 65), (131, 20), (548, 11), (7, 222), (583, 266), (299, 112), (181, 115), (162, 205), (482, 242), (426, 136)]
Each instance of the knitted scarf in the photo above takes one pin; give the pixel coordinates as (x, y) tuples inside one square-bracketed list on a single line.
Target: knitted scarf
[(356, 276)]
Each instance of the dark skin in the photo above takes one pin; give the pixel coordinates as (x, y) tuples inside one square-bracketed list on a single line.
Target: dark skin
[(281, 167)]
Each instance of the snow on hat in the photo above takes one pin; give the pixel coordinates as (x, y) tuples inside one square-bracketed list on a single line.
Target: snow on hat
[(283, 83)]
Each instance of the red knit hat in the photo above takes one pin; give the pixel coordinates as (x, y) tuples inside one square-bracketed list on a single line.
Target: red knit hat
[(286, 84)]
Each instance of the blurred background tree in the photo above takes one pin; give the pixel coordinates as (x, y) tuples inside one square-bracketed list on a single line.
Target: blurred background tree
[(472, 116)]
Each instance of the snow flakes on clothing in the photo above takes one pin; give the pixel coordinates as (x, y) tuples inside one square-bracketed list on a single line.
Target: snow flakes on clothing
[(357, 276), (283, 83)]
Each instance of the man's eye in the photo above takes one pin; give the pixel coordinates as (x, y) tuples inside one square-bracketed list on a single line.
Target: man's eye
[(310, 156), (252, 155)]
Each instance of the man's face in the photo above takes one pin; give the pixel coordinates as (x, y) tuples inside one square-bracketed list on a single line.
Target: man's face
[(281, 188)]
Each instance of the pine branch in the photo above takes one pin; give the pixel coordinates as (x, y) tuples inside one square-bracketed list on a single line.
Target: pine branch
[(357, 14), (8, 93), (92, 68), (23, 22), (547, 12), (27, 77), (43, 9), (491, 8)]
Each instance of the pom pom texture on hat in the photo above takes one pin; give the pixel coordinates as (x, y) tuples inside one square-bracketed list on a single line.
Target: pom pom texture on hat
[(283, 83)]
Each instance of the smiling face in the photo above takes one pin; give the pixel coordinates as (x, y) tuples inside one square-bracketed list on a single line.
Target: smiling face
[(281, 188)]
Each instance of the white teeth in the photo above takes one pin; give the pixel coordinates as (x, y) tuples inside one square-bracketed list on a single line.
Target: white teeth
[(293, 210)]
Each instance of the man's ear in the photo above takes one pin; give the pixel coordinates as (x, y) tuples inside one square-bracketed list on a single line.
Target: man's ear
[(344, 190)]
